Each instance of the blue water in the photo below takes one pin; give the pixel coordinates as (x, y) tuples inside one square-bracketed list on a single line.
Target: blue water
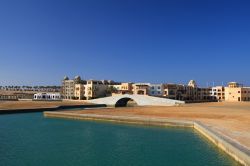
[(32, 140)]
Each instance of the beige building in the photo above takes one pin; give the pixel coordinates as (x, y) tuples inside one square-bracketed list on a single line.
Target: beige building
[(96, 88), (236, 92), (123, 88), (188, 93), (79, 92), (141, 88), (69, 87), (174, 91), (80, 89)]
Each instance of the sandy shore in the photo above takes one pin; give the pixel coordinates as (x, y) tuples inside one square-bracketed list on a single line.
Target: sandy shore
[(36, 104), (229, 119)]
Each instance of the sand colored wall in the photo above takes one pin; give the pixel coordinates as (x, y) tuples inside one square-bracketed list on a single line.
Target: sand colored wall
[(237, 94), (79, 92)]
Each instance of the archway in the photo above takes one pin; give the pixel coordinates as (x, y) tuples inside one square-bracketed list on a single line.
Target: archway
[(123, 102)]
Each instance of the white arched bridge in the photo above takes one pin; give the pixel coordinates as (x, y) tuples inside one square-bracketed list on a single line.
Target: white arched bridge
[(141, 100)]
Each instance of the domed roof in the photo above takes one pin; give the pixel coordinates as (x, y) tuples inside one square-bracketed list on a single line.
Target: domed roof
[(77, 77), (66, 78), (192, 83)]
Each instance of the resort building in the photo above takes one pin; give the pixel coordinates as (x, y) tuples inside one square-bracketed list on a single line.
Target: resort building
[(174, 91), (8, 97), (47, 96), (80, 89), (122, 88), (79, 92), (156, 89), (188, 93), (236, 92), (141, 88), (96, 88), (68, 87), (218, 92)]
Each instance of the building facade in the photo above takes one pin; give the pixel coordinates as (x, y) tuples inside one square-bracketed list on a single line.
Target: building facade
[(189, 93), (79, 92), (91, 89), (236, 92), (122, 88), (141, 88), (47, 96), (96, 88), (68, 87), (218, 92), (156, 89)]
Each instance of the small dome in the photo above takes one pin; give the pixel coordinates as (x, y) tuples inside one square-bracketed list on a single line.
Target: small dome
[(77, 77), (192, 83), (66, 78)]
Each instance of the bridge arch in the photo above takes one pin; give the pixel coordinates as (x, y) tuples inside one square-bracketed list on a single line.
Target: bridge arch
[(123, 102), (140, 100)]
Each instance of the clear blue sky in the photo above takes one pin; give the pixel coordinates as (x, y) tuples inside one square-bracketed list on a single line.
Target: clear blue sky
[(124, 40)]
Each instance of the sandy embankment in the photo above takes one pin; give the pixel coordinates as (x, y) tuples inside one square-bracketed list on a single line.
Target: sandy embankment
[(36, 104)]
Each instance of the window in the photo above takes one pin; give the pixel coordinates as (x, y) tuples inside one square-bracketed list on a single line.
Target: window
[(238, 91)]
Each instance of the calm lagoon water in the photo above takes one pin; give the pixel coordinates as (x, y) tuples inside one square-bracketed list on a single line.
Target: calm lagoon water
[(32, 140)]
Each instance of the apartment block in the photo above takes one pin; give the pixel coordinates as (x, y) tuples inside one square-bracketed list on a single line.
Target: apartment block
[(122, 88), (71, 89), (218, 92), (156, 89), (79, 92), (68, 87), (81, 89), (189, 93)]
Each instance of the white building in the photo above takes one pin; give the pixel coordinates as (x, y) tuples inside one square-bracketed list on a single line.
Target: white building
[(156, 89), (47, 96), (218, 92)]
